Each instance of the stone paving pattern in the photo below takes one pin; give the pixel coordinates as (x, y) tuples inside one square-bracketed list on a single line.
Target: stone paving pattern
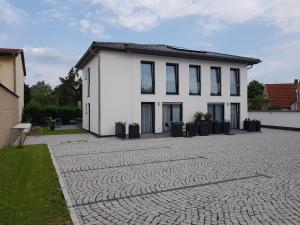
[(242, 179)]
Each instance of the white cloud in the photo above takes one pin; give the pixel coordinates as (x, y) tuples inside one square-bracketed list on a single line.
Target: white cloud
[(10, 14), (280, 64), (142, 15), (86, 26), (44, 63)]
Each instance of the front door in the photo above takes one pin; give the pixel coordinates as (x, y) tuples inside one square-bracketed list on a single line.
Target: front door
[(147, 117), (235, 115)]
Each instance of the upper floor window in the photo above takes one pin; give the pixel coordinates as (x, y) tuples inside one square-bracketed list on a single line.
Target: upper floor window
[(234, 82), (195, 80), (147, 78), (88, 77), (215, 81), (172, 85)]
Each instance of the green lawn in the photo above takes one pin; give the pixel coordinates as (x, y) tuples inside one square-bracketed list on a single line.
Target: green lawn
[(29, 188), (47, 131)]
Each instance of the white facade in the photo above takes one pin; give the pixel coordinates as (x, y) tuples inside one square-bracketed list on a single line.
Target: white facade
[(115, 90)]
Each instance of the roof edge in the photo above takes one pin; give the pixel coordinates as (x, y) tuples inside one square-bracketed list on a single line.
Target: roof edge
[(9, 91)]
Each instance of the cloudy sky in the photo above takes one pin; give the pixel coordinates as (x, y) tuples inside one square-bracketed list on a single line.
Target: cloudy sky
[(55, 33)]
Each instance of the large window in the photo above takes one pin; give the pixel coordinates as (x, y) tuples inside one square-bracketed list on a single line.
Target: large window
[(147, 78), (172, 112), (172, 85), (217, 111), (215, 81), (234, 82), (88, 81), (195, 80)]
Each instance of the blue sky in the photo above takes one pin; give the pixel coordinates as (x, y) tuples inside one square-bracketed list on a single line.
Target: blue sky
[(55, 33)]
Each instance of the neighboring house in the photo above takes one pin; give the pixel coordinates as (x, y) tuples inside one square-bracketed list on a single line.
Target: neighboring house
[(155, 84), (285, 96), (12, 72)]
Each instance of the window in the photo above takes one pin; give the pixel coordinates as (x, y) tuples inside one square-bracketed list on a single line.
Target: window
[(215, 81), (234, 82), (172, 85), (172, 112), (217, 111), (195, 80), (88, 81), (147, 78)]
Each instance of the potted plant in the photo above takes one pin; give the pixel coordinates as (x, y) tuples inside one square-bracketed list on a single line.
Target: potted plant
[(226, 127), (51, 124), (207, 118), (246, 123), (251, 126), (257, 125), (218, 127), (134, 130), (191, 129), (177, 129)]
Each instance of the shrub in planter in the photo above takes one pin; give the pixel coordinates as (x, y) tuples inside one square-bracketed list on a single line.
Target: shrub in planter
[(198, 117), (226, 127), (257, 125), (177, 129), (218, 127), (246, 123), (203, 128), (207, 117), (251, 126), (134, 130), (191, 129)]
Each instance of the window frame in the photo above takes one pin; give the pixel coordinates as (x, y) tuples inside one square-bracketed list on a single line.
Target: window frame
[(152, 76), (238, 83), (176, 79), (214, 109), (220, 76), (198, 68), (89, 82)]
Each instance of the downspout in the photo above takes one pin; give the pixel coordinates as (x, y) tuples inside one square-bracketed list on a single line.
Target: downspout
[(99, 108)]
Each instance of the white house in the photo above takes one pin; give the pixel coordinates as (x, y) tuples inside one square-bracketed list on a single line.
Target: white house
[(155, 84)]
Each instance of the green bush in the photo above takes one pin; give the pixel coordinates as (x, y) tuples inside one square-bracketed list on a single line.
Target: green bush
[(39, 114)]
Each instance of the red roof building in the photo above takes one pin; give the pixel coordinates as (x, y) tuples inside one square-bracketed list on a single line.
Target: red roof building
[(285, 96)]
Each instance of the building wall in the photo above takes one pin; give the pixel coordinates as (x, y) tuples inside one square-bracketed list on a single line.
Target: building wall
[(277, 118), (121, 96), (92, 99), (7, 78), (8, 114)]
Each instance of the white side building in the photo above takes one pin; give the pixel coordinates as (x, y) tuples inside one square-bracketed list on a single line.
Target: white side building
[(154, 84)]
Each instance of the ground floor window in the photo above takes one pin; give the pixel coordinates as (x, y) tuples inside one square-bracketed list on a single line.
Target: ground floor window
[(171, 112), (216, 110)]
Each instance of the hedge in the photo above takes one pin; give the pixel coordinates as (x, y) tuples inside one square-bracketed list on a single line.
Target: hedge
[(38, 114)]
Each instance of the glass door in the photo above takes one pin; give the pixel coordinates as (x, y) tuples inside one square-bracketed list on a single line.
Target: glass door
[(147, 117), (171, 112), (235, 115)]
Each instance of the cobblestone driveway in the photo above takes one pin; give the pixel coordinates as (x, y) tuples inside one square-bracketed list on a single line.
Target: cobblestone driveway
[(241, 179)]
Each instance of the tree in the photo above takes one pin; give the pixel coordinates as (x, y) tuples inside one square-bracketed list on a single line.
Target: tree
[(42, 93), (27, 93), (69, 91), (255, 88)]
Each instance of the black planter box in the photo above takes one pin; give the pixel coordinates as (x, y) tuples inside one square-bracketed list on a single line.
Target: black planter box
[(258, 125), (210, 127), (251, 126), (134, 131), (122, 131), (117, 129), (218, 127), (226, 127), (191, 129), (177, 130), (203, 128), (246, 124)]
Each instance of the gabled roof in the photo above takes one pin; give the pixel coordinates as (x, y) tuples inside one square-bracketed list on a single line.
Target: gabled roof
[(14, 51), (282, 95), (161, 50)]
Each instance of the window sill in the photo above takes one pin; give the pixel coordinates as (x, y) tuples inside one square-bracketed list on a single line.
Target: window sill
[(194, 94), (215, 94), (146, 93), (235, 95), (172, 93)]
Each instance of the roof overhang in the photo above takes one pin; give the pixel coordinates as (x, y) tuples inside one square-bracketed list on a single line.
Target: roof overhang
[(14, 53), (95, 47)]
